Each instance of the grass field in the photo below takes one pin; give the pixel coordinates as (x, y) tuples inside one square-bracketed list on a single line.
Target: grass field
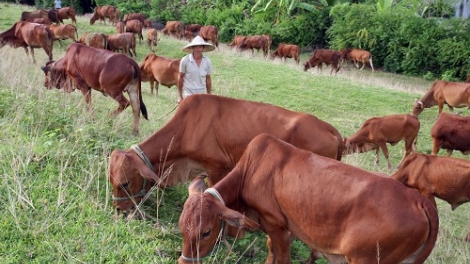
[(54, 155)]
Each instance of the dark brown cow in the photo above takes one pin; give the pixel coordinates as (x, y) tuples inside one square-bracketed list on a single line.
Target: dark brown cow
[(255, 42), (40, 13), (210, 33), (67, 13), (103, 12), (454, 94), (443, 177), (152, 39), (451, 132), (294, 193), (61, 32), (194, 28), (213, 147), (320, 56), (53, 16), (135, 26), (284, 51), (237, 41), (356, 56), (89, 68), (269, 39), (25, 34), (376, 132), (44, 21), (136, 16), (147, 23), (174, 28), (164, 71), (120, 27), (124, 42), (95, 40), (189, 35)]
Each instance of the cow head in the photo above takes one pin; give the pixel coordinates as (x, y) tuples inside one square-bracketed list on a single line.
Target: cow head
[(201, 222), (93, 19), (55, 76), (307, 65), (418, 107)]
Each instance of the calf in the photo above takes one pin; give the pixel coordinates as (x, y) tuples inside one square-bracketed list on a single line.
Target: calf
[(124, 42), (135, 26), (451, 132), (61, 32), (152, 39), (174, 28), (120, 27), (284, 51), (210, 33), (67, 13), (161, 70), (356, 56), (95, 40), (286, 191), (237, 41), (320, 56), (376, 132), (255, 42)]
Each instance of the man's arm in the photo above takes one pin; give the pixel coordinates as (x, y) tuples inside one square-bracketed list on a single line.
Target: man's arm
[(208, 84), (180, 86)]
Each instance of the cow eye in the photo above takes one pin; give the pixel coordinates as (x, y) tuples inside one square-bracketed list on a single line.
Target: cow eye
[(125, 185), (206, 234)]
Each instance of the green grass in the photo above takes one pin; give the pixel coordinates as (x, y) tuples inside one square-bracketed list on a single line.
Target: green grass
[(54, 156)]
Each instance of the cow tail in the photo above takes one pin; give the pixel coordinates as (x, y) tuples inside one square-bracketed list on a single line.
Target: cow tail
[(371, 64), (76, 31), (50, 39), (433, 220), (339, 155), (143, 108)]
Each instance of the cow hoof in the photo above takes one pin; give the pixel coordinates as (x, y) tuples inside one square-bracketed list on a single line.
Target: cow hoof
[(467, 238)]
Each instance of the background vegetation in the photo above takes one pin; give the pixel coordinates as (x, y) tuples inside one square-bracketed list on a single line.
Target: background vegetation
[(54, 155)]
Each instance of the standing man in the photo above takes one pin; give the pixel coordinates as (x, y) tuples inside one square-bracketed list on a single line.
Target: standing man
[(57, 4), (195, 69)]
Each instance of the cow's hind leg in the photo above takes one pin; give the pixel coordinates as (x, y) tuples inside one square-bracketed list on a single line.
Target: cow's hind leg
[(384, 148), (135, 100), (32, 54), (123, 104)]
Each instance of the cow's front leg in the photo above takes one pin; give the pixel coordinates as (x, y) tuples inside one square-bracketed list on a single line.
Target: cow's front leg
[(280, 243), (86, 92)]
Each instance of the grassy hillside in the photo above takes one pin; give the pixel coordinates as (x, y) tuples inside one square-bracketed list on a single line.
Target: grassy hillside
[(54, 155)]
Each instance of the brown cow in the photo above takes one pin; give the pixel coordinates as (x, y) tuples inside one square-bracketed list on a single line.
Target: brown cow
[(443, 177), (287, 192), (25, 34), (164, 71), (147, 23), (120, 27), (152, 39), (255, 42), (174, 28), (356, 56), (103, 12), (269, 39), (451, 132), (67, 13), (376, 132), (124, 42), (89, 68), (454, 94), (95, 40), (237, 41), (287, 51), (189, 35), (213, 147), (44, 21), (210, 33), (135, 26), (320, 56), (194, 28), (40, 13), (61, 32), (53, 16), (135, 16)]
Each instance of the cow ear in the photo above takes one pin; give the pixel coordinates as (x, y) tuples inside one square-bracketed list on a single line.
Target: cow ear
[(197, 186), (146, 172), (238, 220), (45, 69)]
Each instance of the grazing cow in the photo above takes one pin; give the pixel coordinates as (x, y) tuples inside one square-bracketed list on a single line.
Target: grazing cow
[(89, 68), (147, 23), (451, 132), (255, 42), (376, 132), (454, 94), (95, 40), (164, 71), (40, 13), (210, 33), (152, 39), (356, 56), (443, 177), (136, 16), (237, 41), (32, 35), (120, 27), (320, 56), (213, 146), (289, 192), (284, 51), (174, 28), (103, 12), (194, 28), (124, 42), (44, 21), (67, 13), (189, 35), (61, 32), (135, 26)]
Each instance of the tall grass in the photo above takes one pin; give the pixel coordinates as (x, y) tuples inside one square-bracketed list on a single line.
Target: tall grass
[(54, 154)]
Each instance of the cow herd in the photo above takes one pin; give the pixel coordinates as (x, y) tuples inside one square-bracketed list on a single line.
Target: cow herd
[(258, 166)]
